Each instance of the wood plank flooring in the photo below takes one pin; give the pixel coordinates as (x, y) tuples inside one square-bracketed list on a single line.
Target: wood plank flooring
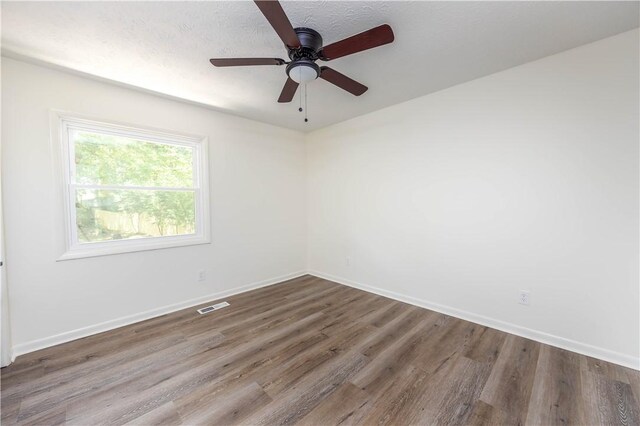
[(313, 352)]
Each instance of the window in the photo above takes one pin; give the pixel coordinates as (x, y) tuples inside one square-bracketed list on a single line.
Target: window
[(129, 189)]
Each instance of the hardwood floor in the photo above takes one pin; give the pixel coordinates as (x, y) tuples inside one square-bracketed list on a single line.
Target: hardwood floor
[(313, 352)]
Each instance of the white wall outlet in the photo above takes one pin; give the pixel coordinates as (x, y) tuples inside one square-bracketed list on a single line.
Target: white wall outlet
[(347, 261), (202, 275), (523, 299)]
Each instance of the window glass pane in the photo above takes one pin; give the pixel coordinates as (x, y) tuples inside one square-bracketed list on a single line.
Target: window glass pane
[(105, 215), (114, 160)]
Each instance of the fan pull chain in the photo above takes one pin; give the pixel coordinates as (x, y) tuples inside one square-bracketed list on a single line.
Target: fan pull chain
[(300, 97), (305, 104)]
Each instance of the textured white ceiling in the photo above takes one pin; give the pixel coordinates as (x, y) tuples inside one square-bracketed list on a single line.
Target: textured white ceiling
[(165, 46)]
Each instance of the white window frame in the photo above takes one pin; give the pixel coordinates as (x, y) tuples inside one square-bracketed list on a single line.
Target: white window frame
[(64, 123)]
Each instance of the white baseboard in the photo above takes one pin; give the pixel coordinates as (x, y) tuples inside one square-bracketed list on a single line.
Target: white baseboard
[(68, 336), (539, 336)]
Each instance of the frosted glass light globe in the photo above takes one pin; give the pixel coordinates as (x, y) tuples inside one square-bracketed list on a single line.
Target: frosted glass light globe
[(303, 74)]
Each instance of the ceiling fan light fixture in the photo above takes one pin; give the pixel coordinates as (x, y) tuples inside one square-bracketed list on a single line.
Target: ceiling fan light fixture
[(303, 72)]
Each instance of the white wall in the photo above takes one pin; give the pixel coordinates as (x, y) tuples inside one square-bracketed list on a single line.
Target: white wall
[(522, 180), (5, 328), (257, 182)]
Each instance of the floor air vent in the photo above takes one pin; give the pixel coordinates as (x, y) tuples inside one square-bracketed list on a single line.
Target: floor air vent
[(212, 308)]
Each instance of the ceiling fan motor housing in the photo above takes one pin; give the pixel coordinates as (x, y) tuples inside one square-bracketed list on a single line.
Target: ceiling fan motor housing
[(310, 44), (302, 67)]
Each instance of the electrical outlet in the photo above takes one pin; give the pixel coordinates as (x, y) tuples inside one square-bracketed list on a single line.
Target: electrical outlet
[(524, 297), (202, 275), (347, 261)]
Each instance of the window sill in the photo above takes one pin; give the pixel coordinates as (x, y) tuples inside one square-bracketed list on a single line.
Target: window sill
[(109, 248)]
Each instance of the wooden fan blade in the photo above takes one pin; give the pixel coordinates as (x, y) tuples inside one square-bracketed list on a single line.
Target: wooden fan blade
[(367, 40), (288, 91), (239, 62), (342, 81), (272, 10)]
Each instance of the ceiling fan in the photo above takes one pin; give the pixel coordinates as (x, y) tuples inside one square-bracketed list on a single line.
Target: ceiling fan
[(304, 47)]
